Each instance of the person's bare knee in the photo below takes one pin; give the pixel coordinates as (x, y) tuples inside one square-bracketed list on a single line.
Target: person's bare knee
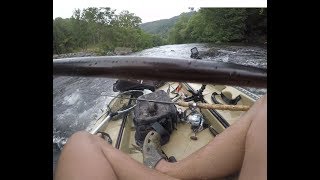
[(83, 152), (82, 138), (79, 136)]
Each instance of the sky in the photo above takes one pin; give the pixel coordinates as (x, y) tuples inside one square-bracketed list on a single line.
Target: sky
[(149, 10)]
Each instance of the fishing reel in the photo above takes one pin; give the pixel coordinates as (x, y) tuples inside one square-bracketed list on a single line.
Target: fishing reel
[(194, 118)]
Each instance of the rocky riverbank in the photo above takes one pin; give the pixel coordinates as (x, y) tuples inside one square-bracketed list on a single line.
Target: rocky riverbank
[(117, 51), (70, 55)]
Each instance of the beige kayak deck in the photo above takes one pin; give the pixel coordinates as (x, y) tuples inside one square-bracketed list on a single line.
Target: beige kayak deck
[(180, 145)]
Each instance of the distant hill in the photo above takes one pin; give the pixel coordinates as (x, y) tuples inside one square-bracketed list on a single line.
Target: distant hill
[(162, 27)]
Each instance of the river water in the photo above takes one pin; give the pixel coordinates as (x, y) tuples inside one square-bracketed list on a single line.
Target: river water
[(74, 108)]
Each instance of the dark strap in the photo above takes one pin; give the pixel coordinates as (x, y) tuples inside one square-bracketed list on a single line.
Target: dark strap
[(230, 101), (225, 99), (213, 98), (160, 129)]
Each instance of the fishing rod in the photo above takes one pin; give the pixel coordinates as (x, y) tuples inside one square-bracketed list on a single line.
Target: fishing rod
[(111, 114), (190, 104), (108, 118), (165, 69)]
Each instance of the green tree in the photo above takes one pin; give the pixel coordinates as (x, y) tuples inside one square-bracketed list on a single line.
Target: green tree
[(62, 36), (195, 28), (221, 25), (178, 33), (256, 24), (128, 33), (127, 20)]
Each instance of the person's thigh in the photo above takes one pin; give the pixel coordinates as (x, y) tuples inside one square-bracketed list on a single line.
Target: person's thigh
[(89, 157)]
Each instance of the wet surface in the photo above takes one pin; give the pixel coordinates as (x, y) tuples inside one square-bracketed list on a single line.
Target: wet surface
[(164, 69), (77, 103)]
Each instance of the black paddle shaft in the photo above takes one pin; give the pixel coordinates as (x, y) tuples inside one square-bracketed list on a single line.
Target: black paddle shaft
[(166, 69)]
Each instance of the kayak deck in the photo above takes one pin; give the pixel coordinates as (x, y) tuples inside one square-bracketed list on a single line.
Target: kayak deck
[(180, 145)]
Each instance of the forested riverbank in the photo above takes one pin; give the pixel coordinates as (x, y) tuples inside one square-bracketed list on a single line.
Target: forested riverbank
[(100, 31)]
